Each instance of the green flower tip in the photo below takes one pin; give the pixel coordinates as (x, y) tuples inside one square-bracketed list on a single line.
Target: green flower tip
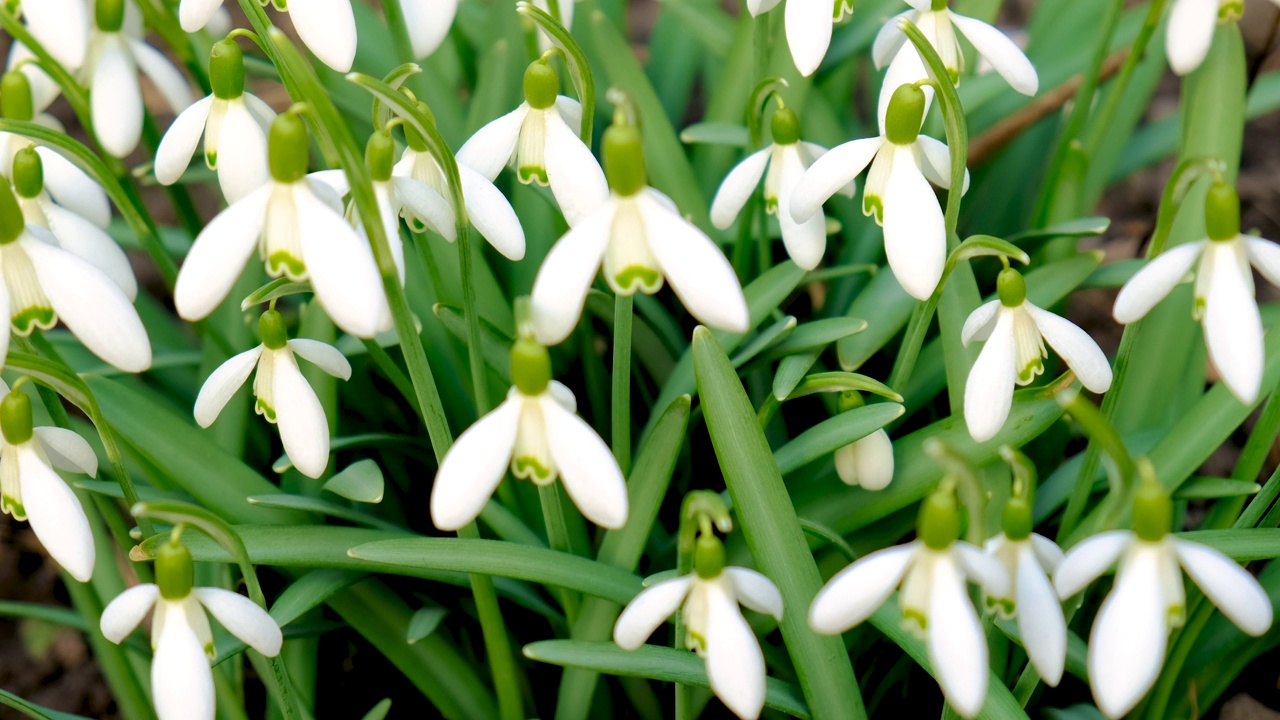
[(1222, 212), (175, 572), (905, 115), (272, 330), (849, 400), (15, 96), (28, 173), (1011, 288), (1016, 520), (939, 521), (1152, 510), (624, 159), (12, 224), (541, 85), (938, 5), (530, 366), (109, 15), (226, 69), (287, 150), (15, 417), (785, 127), (708, 556), (380, 154)]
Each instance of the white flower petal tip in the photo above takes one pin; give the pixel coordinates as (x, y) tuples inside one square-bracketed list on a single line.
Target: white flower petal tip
[(857, 591), (1004, 55), (1154, 282), (328, 28), (808, 28), (587, 467), (648, 610), (123, 614), (243, 618), (1236, 592), (1190, 33), (474, 466), (868, 462)]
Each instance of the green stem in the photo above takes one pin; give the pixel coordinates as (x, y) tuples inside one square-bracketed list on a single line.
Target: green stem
[(1101, 126), (389, 368), (501, 662), (553, 514), (623, 314), (471, 309)]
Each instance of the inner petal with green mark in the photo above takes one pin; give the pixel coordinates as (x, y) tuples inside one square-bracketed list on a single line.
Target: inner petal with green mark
[(877, 180), (531, 164), (629, 264), (1028, 346), (281, 247), (29, 308), (531, 459), (213, 131), (10, 487), (263, 382)]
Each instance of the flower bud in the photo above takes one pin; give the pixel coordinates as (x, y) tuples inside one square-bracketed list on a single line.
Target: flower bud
[(541, 85), (226, 70), (938, 524), (28, 173), (1222, 212), (175, 572), (708, 557), (15, 97), (530, 367), (1152, 510), (849, 400), (272, 330), (624, 159), (15, 417), (12, 223), (785, 127), (287, 149), (109, 15), (380, 155), (905, 115), (1011, 288)]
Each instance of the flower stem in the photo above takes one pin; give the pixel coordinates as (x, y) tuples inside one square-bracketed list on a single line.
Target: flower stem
[(558, 538), (496, 643), (623, 314), (470, 307)]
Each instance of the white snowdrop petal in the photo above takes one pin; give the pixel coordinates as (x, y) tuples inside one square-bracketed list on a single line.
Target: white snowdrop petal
[(429, 22), (167, 78), (74, 190), (195, 14), (809, 26), (115, 100), (304, 430), (980, 322), (474, 466), (1075, 346), (755, 591), (571, 112), (1265, 256), (829, 173), (867, 462), (957, 647), (806, 242), (180, 142), (341, 267), (181, 679), (1233, 326), (1048, 552), (218, 256), (323, 355), (648, 610), (889, 40), (491, 214), (490, 149), (243, 618), (66, 450), (1088, 560), (56, 515), (222, 385), (936, 163), (857, 591), (587, 468), (1040, 619), (988, 393), (61, 27), (123, 614), (328, 28), (1003, 54), (423, 202), (560, 288), (1129, 636), (982, 569), (576, 178), (335, 180), (563, 395), (915, 235), (696, 269), (1154, 281), (95, 310), (756, 7), (737, 187), (1236, 593), (242, 153), (260, 110), (735, 664), (87, 241), (1190, 33)]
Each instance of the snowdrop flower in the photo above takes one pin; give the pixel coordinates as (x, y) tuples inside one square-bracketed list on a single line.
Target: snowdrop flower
[(939, 25), (181, 677), (42, 283), (326, 27), (1130, 634), (282, 394), (297, 227), (1224, 300), (932, 571), (488, 210), (867, 462), (60, 26), (641, 241), (1191, 27), (1015, 331), (31, 490), (903, 162), (536, 433), (540, 140), (781, 165), (714, 626), (116, 54), (809, 27), (428, 22), (234, 124), (1028, 558)]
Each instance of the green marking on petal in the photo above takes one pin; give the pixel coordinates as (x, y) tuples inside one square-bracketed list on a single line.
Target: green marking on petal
[(528, 468), (914, 622), (638, 277), (211, 160), (14, 507), (34, 317), (1229, 11), (1029, 373), (281, 5), (873, 205), (695, 641), (283, 263), (771, 205), (208, 650), (1177, 615), (262, 408), (530, 174)]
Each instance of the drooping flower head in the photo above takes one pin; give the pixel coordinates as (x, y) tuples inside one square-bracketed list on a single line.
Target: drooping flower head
[(1191, 27), (809, 26), (868, 462), (326, 27)]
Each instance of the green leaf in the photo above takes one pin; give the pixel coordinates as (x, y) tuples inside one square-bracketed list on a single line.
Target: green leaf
[(987, 246), (816, 335), (32, 710), (1242, 545), (424, 622), (379, 711), (775, 333), (791, 371), (360, 481), (834, 433), (1209, 488), (1080, 228), (830, 382), (716, 133), (322, 507), (274, 290)]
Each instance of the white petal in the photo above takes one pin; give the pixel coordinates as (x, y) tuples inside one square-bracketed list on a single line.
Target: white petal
[(1088, 560), (957, 647), (328, 28), (66, 450), (242, 153), (755, 591), (982, 569), (167, 78), (429, 22), (180, 141), (243, 618), (223, 384), (1075, 346), (756, 7), (260, 110), (425, 203), (1236, 593), (1048, 552), (490, 149), (915, 236), (218, 256), (474, 466), (837, 168), (808, 33), (87, 241), (563, 395), (71, 188), (43, 89), (737, 187), (590, 474), (1040, 620), (1003, 54), (735, 664), (871, 464), (576, 178), (195, 14), (123, 614), (980, 323), (1265, 256), (1127, 644), (335, 180), (181, 679), (565, 276), (698, 272), (341, 267), (571, 112), (1190, 33), (56, 515), (304, 430), (889, 40), (988, 393), (648, 610), (857, 591), (1154, 281), (61, 27), (115, 100), (1232, 325), (936, 163), (323, 355), (491, 214), (92, 307), (806, 242)]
